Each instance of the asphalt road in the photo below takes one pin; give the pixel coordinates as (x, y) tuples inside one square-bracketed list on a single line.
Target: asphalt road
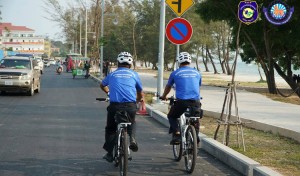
[(60, 131)]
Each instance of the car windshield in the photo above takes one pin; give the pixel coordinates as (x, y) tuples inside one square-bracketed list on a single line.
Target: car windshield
[(17, 64)]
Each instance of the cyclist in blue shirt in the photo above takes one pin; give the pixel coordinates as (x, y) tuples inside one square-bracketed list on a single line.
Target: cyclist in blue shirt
[(124, 88), (187, 82)]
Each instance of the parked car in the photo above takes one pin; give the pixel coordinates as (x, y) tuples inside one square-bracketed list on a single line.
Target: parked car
[(21, 74)]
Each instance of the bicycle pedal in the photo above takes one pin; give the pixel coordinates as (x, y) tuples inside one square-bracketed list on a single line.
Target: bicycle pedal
[(130, 158)]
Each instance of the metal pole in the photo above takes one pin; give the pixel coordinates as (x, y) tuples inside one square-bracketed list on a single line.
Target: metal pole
[(161, 49), (177, 55), (102, 31), (80, 36), (85, 49)]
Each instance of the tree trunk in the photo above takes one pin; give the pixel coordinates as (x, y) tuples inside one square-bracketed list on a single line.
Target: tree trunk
[(261, 78), (197, 56), (229, 71), (288, 79), (271, 77), (203, 59), (134, 46), (154, 67), (219, 55), (212, 62)]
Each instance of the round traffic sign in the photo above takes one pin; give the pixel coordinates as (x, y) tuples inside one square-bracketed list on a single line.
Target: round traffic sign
[(179, 31)]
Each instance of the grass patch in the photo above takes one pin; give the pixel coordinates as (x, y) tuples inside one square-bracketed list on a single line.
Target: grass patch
[(148, 98), (274, 151)]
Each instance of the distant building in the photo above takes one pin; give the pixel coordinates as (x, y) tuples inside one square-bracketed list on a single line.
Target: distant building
[(20, 39)]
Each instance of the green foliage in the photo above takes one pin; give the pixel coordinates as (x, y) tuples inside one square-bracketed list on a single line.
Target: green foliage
[(276, 46)]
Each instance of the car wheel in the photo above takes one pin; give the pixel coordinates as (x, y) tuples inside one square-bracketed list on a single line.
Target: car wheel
[(31, 90), (2, 92)]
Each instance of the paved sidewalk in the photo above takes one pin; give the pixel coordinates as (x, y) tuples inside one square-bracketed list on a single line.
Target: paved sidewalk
[(263, 113)]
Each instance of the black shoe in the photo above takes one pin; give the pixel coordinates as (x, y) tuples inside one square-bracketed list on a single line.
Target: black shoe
[(133, 145), (176, 139), (108, 157)]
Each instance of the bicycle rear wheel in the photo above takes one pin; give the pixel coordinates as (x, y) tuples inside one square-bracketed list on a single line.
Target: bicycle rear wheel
[(177, 151), (190, 154), (123, 163), (116, 150)]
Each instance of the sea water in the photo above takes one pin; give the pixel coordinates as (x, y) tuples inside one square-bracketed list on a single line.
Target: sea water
[(242, 69)]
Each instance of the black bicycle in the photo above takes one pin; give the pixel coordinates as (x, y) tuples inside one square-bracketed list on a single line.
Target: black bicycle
[(188, 145), (121, 149)]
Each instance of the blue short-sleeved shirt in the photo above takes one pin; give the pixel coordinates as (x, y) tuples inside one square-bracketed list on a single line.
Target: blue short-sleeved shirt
[(123, 84), (187, 81)]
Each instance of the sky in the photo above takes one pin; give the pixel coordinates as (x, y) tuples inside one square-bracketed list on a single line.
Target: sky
[(30, 13)]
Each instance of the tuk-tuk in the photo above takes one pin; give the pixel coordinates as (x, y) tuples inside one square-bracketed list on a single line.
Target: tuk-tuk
[(78, 68)]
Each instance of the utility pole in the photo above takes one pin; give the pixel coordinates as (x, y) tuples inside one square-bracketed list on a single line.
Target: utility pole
[(161, 49), (102, 30), (85, 49), (80, 35)]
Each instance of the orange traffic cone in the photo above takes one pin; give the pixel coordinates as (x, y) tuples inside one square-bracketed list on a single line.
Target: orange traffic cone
[(142, 110)]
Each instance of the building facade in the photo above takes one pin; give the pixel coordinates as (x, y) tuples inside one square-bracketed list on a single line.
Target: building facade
[(20, 39)]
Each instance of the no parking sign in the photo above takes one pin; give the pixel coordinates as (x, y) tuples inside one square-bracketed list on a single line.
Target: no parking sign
[(179, 31)]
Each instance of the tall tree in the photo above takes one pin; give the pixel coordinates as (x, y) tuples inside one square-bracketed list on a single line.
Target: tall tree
[(262, 41)]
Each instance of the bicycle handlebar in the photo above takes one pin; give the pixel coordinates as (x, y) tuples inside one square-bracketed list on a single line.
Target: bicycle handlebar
[(103, 99)]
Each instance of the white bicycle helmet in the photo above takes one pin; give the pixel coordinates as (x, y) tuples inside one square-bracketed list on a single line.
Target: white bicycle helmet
[(125, 57), (184, 57)]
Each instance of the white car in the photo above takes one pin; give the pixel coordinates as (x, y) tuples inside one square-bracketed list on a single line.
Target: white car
[(52, 62), (40, 64)]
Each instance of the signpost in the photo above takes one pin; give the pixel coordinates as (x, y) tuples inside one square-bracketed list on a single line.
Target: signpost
[(179, 7), (179, 31)]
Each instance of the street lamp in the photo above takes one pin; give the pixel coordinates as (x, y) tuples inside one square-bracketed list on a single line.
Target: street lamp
[(115, 21), (85, 39)]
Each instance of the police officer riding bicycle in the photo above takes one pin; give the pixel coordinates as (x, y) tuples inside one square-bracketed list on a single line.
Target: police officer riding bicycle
[(188, 82), (124, 88)]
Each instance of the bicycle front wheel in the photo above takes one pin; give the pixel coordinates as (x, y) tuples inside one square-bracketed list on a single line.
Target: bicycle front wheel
[(190, 154), (123, 153)]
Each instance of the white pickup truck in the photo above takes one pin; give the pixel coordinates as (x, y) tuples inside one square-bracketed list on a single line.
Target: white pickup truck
[(21, 74)]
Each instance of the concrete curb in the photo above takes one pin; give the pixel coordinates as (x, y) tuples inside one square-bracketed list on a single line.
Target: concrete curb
[(230, 157)]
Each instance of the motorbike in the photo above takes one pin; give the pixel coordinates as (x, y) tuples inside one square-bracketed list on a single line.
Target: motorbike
[(59, 69)]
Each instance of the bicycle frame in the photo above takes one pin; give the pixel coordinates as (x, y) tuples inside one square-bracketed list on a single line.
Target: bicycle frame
[(184, 122), (118, 144)]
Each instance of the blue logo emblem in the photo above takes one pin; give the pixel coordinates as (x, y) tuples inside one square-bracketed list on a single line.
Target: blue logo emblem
[(278, 12), (248, 12)]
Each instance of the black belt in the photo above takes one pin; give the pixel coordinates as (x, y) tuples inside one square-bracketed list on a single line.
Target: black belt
[(119, 103), (196, 101)]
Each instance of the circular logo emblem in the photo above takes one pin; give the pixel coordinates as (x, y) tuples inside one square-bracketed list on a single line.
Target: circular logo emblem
[(278, 12), (248, 13)]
